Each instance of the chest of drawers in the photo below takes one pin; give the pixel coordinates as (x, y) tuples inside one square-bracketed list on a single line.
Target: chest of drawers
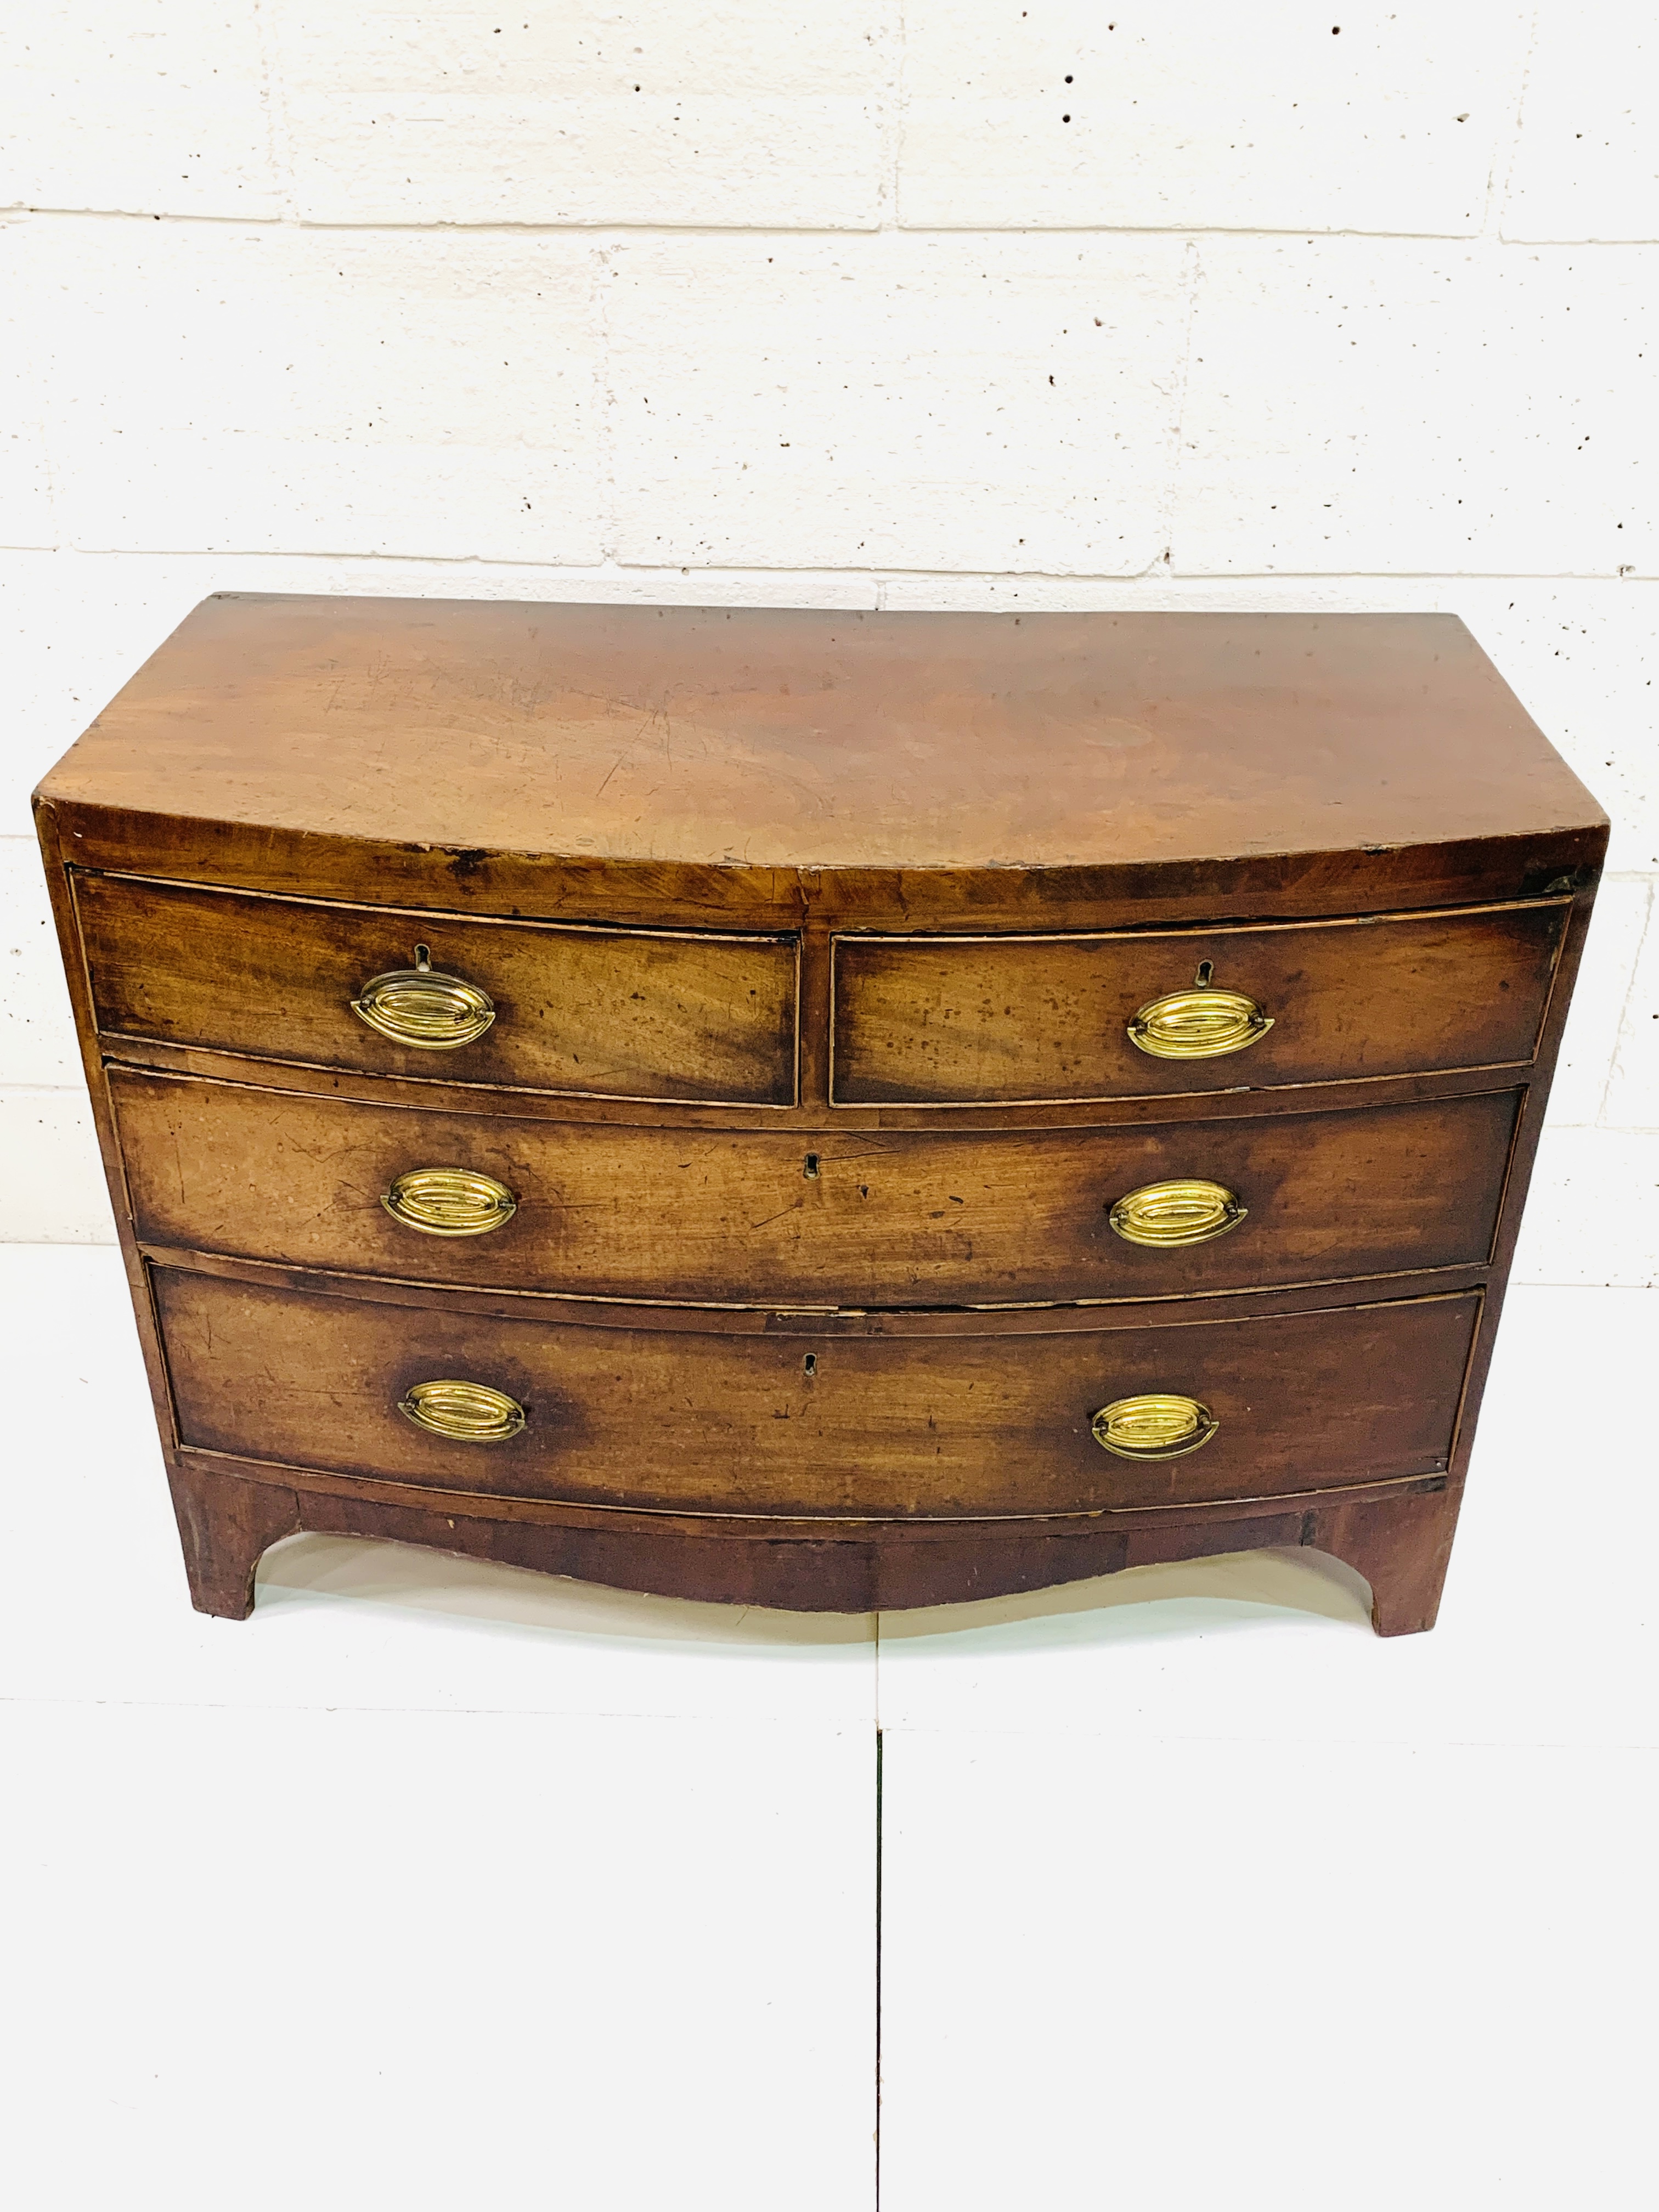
[(826, 1110)]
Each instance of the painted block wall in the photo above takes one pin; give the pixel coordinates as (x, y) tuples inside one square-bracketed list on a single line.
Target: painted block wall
[(903, 303)]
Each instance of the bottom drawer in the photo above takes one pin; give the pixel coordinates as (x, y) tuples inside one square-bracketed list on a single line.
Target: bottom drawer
[(890, 1425)]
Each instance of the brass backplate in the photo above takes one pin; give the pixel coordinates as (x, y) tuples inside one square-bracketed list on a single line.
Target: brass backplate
[(1185, 1211), (1154, 1427), (450, 1202), (1200, 1023), (464, 1413), (425, 1008)]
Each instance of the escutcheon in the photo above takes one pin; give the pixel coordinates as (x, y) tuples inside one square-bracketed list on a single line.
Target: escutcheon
[(1155, 1426), (465, 1412), (1186, 1210), (450, 1202)]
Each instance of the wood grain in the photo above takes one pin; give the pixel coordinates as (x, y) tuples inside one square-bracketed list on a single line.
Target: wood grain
[(904, 1428), (751, 1219), (766, 766), (640, 829), (980, 1021), (225, 1526), (611, 1013), (809, 1117), (1399, 1540), (736, 740)]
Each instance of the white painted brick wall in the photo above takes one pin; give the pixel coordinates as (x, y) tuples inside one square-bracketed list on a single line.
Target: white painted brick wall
[(1074, 113), (892, 392), (1408, 407), (903, 303), (767, 112)]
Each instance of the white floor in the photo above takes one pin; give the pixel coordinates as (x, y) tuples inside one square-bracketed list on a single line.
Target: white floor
[(437, 1884)]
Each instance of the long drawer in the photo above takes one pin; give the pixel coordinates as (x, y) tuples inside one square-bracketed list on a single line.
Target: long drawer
[(877, 1219), (535, 1006), (960, 1021), (903, 1425)]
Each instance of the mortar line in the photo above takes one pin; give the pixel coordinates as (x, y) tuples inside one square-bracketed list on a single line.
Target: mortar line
[(606, 399), (1193, 268), (1220, 580), (1498, 194), (894, 132), (279, 146), (576, 226)]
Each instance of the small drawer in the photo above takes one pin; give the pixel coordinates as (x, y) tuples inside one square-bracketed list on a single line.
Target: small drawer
[(543, 1007), (986, 1021), (873, 1219), (912, 1425)]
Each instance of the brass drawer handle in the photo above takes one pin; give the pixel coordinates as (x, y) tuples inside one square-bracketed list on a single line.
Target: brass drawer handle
[(1200, 1023), (465, 1412), (450, 1202), (1153, 1427), (1187, 1210), (423, 1006)]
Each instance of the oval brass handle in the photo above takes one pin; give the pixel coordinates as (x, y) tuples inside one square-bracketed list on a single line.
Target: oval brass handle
[(1200, 1023), (423, 1006), (1153, 1427), (465, 1412), (449, 1202), (1187, 1210)]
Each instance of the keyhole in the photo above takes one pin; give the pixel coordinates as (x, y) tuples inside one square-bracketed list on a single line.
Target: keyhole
[(1206, 970), (811, 1170), (809, 1366), (422, 960)]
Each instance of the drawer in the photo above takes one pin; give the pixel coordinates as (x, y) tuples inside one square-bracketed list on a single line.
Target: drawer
[(902, 1426), (868, 1220), (976, 1021), (556, 1007)]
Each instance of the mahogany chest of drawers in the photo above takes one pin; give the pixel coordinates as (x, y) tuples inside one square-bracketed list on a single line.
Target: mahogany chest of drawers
[(825, 1111)]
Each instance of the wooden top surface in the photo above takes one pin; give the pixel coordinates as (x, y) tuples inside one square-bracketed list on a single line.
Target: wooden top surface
[(807, 740)]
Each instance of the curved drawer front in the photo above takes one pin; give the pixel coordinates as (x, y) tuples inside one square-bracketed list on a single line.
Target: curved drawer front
[(539, 1007), (872, 1220), (961, 1021), (901, 1426)]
